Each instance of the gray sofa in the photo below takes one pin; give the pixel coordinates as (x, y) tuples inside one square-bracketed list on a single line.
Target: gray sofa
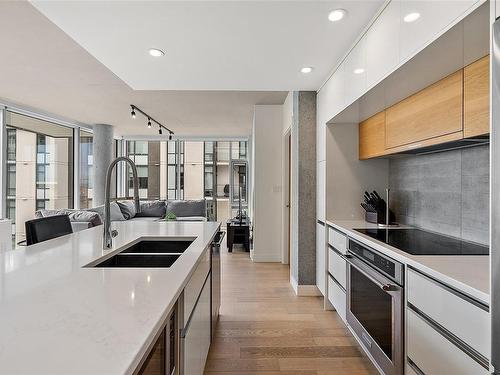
[(181, 210)]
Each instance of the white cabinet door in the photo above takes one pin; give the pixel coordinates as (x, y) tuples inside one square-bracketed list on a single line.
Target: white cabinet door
[(451, 311), (331, 98), (337, 267), (435, 16), (337, 297), (320, 258), (320, 141), (320, 191), (355, 72), (434, 354), (382, 44), (196, 342)]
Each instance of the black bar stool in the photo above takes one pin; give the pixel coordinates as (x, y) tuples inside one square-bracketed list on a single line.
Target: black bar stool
[(46, 228)]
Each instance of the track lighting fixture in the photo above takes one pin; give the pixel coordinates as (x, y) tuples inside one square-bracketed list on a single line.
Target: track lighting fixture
[(170, 137), (150, 120)]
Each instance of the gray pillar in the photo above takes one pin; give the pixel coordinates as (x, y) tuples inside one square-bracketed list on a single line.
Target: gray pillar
[(102, 158)]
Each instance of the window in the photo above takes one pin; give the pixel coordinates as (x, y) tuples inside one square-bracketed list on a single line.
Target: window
[(86, 169), (39, 168)]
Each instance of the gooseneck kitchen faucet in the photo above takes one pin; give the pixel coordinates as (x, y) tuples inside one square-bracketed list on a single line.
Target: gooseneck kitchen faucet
[(107, 239)]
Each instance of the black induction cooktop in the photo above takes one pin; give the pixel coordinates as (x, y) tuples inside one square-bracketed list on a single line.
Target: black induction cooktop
[(419, 242)]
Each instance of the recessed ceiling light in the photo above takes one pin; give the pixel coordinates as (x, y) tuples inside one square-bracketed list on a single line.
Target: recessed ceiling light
[(156, 52), (359, 71), (306, 69), (411, 17), (337, 15)]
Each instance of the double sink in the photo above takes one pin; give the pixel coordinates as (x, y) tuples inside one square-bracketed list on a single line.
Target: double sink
[(148, 253)]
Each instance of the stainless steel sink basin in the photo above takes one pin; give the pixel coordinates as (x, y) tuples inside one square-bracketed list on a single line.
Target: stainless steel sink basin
[(158, 247), (140, 260)]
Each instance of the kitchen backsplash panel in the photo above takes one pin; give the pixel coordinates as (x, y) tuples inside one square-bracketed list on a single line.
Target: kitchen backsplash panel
[(446, 192)]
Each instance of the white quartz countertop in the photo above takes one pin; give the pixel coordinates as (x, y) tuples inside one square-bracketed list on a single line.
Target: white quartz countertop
[(469, 274), (59, 317)]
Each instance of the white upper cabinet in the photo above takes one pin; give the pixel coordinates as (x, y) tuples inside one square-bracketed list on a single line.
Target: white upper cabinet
[(331, 98), (320, 141), (355, 72), (434, 17), (382, 44)]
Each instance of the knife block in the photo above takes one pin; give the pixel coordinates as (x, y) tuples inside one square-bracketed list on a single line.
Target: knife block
[(379, 217)]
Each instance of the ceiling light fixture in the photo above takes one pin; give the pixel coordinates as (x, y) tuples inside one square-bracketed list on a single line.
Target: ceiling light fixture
[(337, 15), (150, 119), (159, 131), (170, 137), (155, 52), (411, 17), (358, 71), (306, 69)]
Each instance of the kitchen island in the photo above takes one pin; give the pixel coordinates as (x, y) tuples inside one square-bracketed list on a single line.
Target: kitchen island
[(58, 315)]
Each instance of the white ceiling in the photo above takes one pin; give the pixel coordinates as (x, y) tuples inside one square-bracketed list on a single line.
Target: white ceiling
[(213, 45), (43, 68)]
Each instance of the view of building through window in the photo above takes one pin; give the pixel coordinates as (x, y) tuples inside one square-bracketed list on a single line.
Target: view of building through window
[(39, 168), (189, 170)]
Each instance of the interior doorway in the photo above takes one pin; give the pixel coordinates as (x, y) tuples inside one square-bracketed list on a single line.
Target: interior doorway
[(287, 191)]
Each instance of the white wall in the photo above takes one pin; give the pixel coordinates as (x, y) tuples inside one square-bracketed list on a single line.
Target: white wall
[(267, 172)]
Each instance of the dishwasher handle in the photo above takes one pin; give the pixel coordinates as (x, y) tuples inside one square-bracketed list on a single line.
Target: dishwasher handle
[(219, 237)]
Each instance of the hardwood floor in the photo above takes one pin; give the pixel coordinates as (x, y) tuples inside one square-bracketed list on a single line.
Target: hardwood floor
[(265, 329)]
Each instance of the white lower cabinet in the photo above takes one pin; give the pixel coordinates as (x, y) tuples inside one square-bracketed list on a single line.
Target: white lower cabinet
[(337, 267), (196, 340), (337, 297), (320, 257), (337, 240), (433, 353), (463, 318)]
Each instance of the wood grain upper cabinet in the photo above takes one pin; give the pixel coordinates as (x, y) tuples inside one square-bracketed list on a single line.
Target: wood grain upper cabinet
[(433, 113), (477, 98), (372, 136)]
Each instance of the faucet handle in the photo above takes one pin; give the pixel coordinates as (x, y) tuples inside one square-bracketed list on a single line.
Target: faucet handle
[(114, 233)]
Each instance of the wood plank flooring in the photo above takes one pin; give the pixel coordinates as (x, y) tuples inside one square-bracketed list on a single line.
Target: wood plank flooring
[(265, 329)]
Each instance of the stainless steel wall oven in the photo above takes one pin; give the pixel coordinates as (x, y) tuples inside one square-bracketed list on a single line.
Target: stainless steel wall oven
[(375, 302)]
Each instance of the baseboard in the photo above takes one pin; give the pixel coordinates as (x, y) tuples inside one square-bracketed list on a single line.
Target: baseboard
[(294, 284), (308, 291)]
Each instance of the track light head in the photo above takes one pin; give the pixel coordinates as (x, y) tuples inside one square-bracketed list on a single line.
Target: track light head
[(149, 123), (170, 137), (160, 131), (133, 112)]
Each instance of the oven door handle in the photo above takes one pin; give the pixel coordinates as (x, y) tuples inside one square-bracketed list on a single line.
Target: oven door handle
[(386, 287)]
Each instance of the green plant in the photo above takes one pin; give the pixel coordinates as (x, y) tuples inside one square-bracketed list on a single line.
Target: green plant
[(170, 216)]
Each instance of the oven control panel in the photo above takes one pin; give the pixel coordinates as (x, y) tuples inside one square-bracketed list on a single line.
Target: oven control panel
[(383, 264)]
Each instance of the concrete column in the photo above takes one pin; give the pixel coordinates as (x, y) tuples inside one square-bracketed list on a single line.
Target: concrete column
[(102, 158)]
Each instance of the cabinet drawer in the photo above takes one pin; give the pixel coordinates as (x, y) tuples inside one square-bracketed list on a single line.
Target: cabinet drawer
[(337, 267), (463, 318), (338, 240), (337, 298), (434, 354), (195, 284)]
